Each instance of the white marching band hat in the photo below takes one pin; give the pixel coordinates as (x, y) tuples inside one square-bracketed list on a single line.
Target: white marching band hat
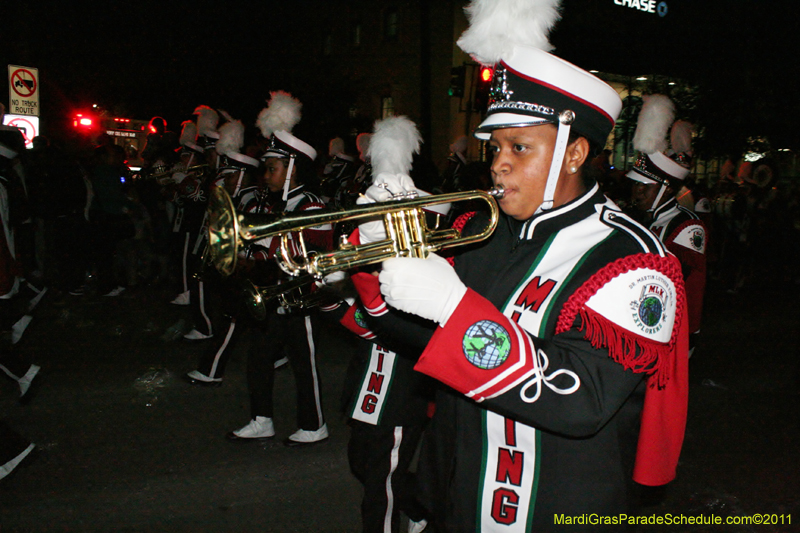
[(530, 86), (656, 160), (276, 122)]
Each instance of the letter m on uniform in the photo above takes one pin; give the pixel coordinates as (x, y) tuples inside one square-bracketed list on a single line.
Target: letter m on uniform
[(535, 293)]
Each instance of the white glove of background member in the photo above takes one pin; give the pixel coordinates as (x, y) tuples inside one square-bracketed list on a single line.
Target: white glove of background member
[(385, 185), (370, 231), (429, 288)]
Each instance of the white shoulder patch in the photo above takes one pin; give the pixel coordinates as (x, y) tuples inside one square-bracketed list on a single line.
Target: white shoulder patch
[(642, 301), (693, 238)]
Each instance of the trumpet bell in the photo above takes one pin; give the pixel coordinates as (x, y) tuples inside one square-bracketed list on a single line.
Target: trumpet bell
[(223, 231)]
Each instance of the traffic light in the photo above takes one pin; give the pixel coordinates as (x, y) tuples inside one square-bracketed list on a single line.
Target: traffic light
[(457, 78), (482, 87)]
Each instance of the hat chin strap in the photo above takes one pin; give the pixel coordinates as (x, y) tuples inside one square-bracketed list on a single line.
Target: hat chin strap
[(288, 180), (660, 194), (238, 183), (565, 120)]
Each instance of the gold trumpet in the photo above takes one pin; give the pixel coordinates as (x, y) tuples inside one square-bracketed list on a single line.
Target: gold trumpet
[(408, 234), (161, 171), (292, 294)]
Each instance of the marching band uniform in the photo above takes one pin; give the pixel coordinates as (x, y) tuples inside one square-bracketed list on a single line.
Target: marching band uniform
[(189, 197), (659, 174), (288, 162), (387, 404), (233, 171), (338, 173), (562, 339), (196, 225)]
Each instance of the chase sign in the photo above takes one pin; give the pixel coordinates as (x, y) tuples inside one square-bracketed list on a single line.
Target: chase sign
[(648, 6)]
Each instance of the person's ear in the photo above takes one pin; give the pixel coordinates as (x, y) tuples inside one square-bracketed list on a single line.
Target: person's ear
[(576, 154)]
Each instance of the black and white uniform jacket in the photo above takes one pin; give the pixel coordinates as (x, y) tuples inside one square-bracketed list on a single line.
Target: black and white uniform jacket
[(253, 200), (546, 359), (381, 387), (684, 234)]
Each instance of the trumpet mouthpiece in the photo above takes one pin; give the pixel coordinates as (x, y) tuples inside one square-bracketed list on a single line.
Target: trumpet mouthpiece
[(497, 192)]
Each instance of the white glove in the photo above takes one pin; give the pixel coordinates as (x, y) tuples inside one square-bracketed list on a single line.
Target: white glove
[(429, 288), (385, 185), (373, 231)]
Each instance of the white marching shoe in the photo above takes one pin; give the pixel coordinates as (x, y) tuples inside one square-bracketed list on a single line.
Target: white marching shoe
[(183, 298), (260, 427), (195, 377), (304, 437), (195, 335)]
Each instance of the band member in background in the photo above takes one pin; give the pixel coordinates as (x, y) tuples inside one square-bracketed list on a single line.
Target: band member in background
[(659, 173), (339, 171), (189, 189), (235, 176), (288, 164)]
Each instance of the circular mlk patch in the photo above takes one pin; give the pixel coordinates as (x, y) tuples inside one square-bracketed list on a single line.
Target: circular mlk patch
[(486, 344), (358, 316), (650, 310)]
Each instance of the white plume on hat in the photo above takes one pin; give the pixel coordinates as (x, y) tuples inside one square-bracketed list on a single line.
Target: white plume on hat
[(393, 145), (231, 136), (188, 132), (281, 114), (655, 118), (207, 120), (497, 26)]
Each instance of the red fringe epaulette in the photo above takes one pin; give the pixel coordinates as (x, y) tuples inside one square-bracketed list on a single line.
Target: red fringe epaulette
[(632, 351), (459, 224)]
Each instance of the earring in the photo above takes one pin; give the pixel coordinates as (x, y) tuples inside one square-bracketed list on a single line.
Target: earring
[(573, 170)]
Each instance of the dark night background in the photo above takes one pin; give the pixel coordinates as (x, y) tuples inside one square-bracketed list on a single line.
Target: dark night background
[(145, 58)]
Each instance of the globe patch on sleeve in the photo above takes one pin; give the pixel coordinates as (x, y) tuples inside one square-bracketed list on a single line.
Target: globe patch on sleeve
[(486, 344)]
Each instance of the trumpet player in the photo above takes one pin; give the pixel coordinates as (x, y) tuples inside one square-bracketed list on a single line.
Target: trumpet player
[(562, 340), (283, 187)]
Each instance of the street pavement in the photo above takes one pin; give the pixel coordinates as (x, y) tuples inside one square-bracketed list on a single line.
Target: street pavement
[(124, 444)]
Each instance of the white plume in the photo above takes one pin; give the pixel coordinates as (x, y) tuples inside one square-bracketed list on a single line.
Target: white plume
[(281, 114), (497, 26), (207, 120), (188, 132), (393, 145), (681, 137), (231, 137), (655, 118)]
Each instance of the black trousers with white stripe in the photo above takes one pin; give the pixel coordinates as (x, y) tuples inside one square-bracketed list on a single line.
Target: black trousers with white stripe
[(294, 336), (380, 458)]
